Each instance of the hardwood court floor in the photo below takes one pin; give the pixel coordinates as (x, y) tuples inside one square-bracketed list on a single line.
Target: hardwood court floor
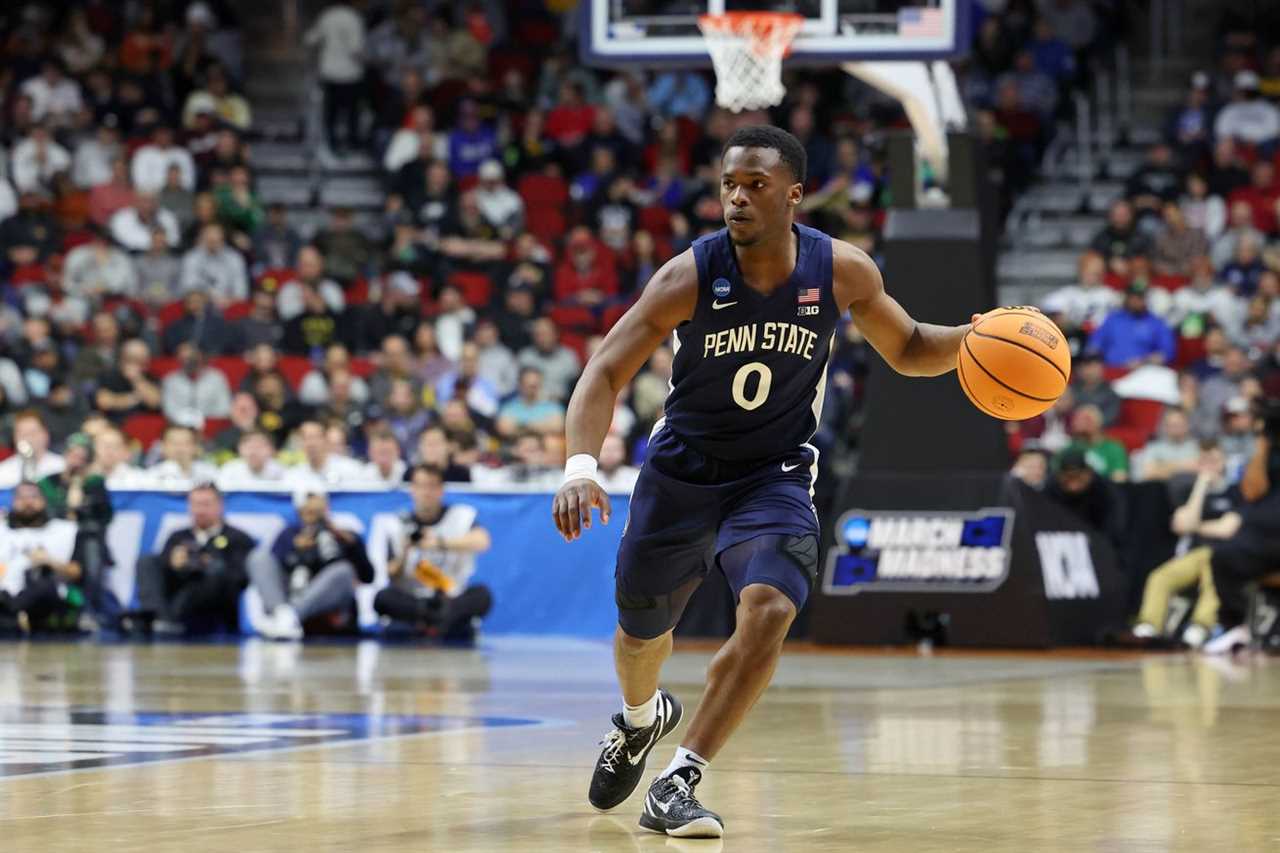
[(263, 747)]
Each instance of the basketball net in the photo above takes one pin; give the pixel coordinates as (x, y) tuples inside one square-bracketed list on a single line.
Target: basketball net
[(747, 49)]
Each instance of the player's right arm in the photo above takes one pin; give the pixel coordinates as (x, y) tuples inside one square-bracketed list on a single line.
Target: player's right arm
[(667, 301)]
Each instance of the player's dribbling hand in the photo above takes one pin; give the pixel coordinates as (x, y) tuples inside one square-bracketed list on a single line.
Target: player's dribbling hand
[(571, 508)]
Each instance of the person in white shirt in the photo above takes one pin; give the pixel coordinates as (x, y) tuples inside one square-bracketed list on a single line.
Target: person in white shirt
[(31, 459), (418, 141), (1084, 305), (97, 269), (8, 198), (54, 96), (38, 555), (256, 469), (314, 390), (1204, 296), (500, 205), (111, 460), (37, 159), (310, 268), (1249, 117), (614, 473), (455, 317), (151, 162), (132, 227), (180, 468), (91, 163), (216, 268), (340, 36), (195, 392), (320, 468), (385, 468), (497, 362)]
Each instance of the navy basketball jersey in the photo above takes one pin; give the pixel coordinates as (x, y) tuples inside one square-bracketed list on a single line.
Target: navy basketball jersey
[(750, 370)]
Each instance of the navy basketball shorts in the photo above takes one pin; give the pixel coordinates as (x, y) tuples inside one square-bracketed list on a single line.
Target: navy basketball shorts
[(688, 509)]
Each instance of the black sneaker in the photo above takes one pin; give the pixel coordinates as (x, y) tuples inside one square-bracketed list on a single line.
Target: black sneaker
[(621, 763), (671, 807)]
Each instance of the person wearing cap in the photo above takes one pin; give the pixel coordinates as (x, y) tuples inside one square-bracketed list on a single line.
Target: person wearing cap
[(1091, 388), (1077, 487), (1249, 117), (79, 494), (500, 205), (1132, 336)]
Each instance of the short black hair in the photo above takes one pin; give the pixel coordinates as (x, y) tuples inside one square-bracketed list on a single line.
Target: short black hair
[(768, 136)]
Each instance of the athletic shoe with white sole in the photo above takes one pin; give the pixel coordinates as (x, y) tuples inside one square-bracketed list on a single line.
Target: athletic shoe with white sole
[(1228, 642), (621, 762), (671, 808)]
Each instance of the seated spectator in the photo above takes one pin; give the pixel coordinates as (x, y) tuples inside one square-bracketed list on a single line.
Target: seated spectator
[(31, 235), (314, 328), (614, 474), (116, 194), (1261, 195), (239, 208), (1254, 549), (1249, 118), (177, 199), (1240, 227), (1077, 486), (41, 582), (314, 390), (527, 463), (111, 457), (679, 93), (79, 494), (180, 467), (1177, 245), (1203, 302), (126, 388), (244, 418), (1105, 455), (434, 451), (1121, 241), (1236, 436), (151, 162), (1245, 270), (406, 416), (36, 160), (96, 269), (558, 365), (255, 467), (500, 205), (215, 268), (587, 275), (1091, 388), (157, 272), (290, 301), (385, 468), (1202, 211), (320, 468), (340, 403), (311, 570), (1259, 328), (496, 363), (432, 560), (1190, 126), (1222, 385), (276, 243), (415, 141), (1132, 335), (132, 226), (261, 325), (1156, 182), (98, 352), (1031, 468), (1209, 515), (55, 98), (91, 164), (195, 392), (348, 251), (466, 381), (193, 585), (471, 142), (530, 410), (32, 459), (1175, 450), (396, 363), (217, 98), (279, 414)]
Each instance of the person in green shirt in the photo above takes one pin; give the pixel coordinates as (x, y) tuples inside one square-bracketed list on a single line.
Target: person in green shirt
[(1104, 455)]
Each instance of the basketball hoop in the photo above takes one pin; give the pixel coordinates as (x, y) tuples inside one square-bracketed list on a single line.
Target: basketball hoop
[(747, 49)]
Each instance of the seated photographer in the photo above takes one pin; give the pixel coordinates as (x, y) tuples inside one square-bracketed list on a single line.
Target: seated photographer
[(432, 560), (1254, 550), (1209, 515), (193, 585), (311, 570), (39, 584)]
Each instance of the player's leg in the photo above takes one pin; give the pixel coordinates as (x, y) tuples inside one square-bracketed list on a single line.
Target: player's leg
[(771, 575)]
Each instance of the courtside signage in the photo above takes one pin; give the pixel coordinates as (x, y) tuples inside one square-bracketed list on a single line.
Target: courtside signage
[(45, 740), (907, 551)]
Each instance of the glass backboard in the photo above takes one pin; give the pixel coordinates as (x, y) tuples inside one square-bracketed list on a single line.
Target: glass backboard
[(665, 32)]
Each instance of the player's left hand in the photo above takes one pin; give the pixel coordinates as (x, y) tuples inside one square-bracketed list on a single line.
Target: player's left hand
[(572, 506)]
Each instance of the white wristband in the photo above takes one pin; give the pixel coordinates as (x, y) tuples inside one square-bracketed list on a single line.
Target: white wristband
[(581, 466)]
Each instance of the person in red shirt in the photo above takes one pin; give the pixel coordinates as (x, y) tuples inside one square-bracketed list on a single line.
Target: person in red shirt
[(587, 275), (1261, 194), (570, 121)]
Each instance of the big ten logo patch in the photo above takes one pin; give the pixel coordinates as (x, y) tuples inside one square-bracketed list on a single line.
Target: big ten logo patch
[(1040, 333)]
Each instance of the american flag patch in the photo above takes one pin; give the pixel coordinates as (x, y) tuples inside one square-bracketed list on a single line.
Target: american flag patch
[(809, 294), (920, 23)]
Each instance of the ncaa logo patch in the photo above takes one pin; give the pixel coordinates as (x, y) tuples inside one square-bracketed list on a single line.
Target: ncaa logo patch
[(721, 287), (45, 740)]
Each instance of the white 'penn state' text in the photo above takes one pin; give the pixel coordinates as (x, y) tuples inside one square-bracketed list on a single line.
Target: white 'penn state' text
[(780, 337)]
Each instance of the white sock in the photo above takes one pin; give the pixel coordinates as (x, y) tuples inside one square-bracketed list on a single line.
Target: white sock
[(686, 758), (641, 716)]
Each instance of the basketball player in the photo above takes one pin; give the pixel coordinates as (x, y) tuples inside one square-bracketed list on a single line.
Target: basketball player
[(728, 480)]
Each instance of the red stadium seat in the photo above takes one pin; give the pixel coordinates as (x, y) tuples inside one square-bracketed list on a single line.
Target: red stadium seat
[(574, 318), (1190, 350), (161, 366), (213, 426), (5, 453), (237, 311), (362, 367), (1137, 422), (543, 190), (169, 314), (575, 342), (357, 292), (655, 220), (231, 366), (294, 368), (144, 428), (1170, 282), (547, 223), (476, 287), (612, 315)]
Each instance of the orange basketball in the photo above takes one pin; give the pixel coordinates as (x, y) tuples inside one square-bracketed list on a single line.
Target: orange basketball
[(1014, 363)]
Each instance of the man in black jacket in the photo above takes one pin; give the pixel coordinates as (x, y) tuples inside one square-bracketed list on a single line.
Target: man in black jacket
[(194, 583), (311, 570)]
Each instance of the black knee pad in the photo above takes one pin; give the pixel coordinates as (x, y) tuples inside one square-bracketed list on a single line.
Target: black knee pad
[(803, 551), (646, 616)]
